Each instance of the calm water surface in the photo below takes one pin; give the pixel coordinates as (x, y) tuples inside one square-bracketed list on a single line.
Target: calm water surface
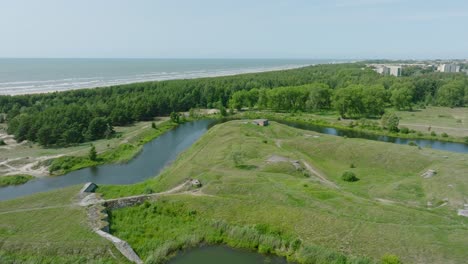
[(152, 159), (223, 255), (435, 144)]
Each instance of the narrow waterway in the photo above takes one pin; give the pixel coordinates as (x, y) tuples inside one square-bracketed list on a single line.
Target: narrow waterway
[(154, 156), (424, 143), (161, 151)]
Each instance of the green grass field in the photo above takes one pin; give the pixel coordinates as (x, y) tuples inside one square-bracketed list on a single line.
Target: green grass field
[(386, 212), (252, 200), (48, 228)]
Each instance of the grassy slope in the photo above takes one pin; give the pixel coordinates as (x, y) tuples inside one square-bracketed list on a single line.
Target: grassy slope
[(453, 121), (349, 219), (44, 228), (14, 179)]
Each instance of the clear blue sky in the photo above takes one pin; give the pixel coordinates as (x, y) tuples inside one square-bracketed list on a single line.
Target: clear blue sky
[(351, 29)]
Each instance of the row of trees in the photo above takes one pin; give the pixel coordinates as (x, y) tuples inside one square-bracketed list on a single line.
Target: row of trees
[(81, 115)]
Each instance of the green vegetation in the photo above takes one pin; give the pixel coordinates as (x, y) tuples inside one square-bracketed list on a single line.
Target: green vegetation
[(14, 179), (390, 121), (368, 126), (67, 118), (122, 153), (46, 228), (176, 227), (92, 153), (349, 176), (383, 214)]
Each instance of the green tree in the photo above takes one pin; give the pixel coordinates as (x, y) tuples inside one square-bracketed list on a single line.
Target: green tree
[(451, 94), (97, 128), (402, 96), (374, 99), (319, 97), (390, 121), (175, 117), (92, 153), (348, 101)]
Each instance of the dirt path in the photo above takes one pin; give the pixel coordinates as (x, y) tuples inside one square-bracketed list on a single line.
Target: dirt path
[(27, 165), (322, 178)]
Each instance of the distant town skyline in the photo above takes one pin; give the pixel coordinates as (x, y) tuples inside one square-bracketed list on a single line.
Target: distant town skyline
[(333, 29)]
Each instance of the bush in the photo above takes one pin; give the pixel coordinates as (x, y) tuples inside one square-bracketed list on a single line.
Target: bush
[(148, 190), (2, 142), (92, 155), (390, 121), (349, 177), (404, 130), (14, 179), (352, 166), (391, 259), (444, 135), (412, 143), (433, 134)]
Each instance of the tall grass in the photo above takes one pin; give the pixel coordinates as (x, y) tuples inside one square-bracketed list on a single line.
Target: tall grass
[(158, 230)]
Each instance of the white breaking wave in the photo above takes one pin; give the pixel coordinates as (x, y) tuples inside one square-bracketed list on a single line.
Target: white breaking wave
[(44, 86)]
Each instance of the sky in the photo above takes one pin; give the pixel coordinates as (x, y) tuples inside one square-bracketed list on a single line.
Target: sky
[(312, 29)]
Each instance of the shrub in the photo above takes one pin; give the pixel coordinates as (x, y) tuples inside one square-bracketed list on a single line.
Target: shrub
[(391, 259), (420, 134), (390, 121), (352, 166), (433, 134), (153, 125), (92, 153), (404, 130), (2, 142), (349, 176), (148, 190), (412, 143), (444, 135)]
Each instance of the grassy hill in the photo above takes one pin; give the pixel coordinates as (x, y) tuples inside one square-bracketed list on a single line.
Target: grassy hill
[(273, 189), (249, 178)]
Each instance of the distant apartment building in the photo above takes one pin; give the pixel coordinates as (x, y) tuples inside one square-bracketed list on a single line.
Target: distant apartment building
[(388, 70), (448, 68)]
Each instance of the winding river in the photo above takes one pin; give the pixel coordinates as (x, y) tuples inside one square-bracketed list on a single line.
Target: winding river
[(424, 143), (160, 152), (164, 149), (154, 156)]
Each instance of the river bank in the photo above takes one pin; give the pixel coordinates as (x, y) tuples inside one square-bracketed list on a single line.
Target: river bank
[(244, 186), (365, 126)]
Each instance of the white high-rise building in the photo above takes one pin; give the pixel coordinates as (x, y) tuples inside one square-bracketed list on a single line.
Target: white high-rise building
[(448, 68), (389, 70)]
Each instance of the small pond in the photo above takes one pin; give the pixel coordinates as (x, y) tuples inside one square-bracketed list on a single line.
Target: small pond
[(223, 255)]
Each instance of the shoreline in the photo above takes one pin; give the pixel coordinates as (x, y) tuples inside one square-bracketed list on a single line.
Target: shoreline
[(124, 80)]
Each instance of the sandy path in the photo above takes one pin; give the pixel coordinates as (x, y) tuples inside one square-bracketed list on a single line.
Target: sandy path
[(321, 176)]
